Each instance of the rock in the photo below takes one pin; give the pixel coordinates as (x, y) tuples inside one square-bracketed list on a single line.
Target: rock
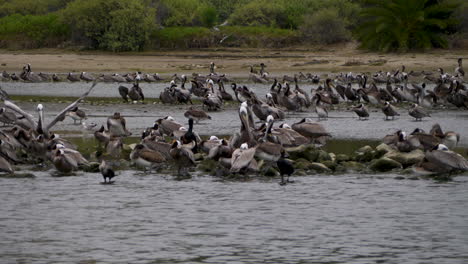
[(332, 156), (399, 178), (301, 164), (353, 166), (129, 147), (300, 173), (330, 164), (366, 148), (91, 167), (383, 148), (365, 154), (271, 172), (323, 156), (384, 164), (342, 158), (309, 153), (406, 159), (319, 167), (208, 165)]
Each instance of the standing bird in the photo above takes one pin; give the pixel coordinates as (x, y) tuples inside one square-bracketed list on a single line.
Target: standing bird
[(146, 158), (418, 112), (362, 112), (116, 125), (389, 111), (459, 70), (314, 131), (72, 78), (106, 171), (182, 156), (285, 167), (77, 115), (196, 114)]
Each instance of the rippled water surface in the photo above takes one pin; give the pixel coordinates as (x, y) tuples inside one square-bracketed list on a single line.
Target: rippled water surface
[(156, 219)]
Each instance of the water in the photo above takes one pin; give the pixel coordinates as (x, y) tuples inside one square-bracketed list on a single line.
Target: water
[(155, 219)]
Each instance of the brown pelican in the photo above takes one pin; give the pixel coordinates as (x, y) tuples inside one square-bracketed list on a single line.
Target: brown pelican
[(288, 137), (196, 114), (245, 135), (86, 77), (102, 136), (243, 159), (64, 162), (167, 125), (212, 142), (183, 157), (106, 171), (146, 158), (44, 77), (116, 125), (114, 147), (418, 112), (362, 112), (56, 78), (389, 111), (167, 96), (72, 77), (268, 150), (159, 145), (5, 166), (459, 70), (7, 117), (449, 138), (427, 141), (311, 130), (442, 160), (135, 93), (77, 115), (117, 78)]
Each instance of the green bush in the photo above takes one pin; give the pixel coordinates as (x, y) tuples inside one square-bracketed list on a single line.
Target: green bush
[(182, 37), (30, 7), (208, 16), (116, 25), (324, 27), (180, 12), (32, 31)]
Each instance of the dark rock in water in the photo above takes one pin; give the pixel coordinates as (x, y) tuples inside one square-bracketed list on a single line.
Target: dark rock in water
[(271, 172), (330, 164), (91, 167), (309, 153), (399, 178), (17, 175), (384, 164), (342, 158), (353, 166), (208, 165)]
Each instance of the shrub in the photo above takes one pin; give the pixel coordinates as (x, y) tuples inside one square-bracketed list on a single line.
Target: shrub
[(208, 16), (180, 12), (28, 7), (32, 31), (116, 25), (324, 27)]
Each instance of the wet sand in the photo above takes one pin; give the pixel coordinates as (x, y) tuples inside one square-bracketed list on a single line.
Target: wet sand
[(232, 61)]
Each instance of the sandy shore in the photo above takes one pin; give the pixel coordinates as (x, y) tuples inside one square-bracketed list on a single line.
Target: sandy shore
[(233, 61)]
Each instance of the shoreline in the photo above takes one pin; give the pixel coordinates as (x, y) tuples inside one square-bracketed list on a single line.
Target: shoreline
[(232, 61)]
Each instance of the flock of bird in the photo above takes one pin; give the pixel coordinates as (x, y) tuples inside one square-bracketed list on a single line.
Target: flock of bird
[(253, 146)]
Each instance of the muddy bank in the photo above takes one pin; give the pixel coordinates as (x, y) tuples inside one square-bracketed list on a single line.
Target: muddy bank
[(235, 62)]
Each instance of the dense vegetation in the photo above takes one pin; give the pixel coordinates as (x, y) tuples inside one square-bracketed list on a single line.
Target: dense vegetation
[(134, 25)]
